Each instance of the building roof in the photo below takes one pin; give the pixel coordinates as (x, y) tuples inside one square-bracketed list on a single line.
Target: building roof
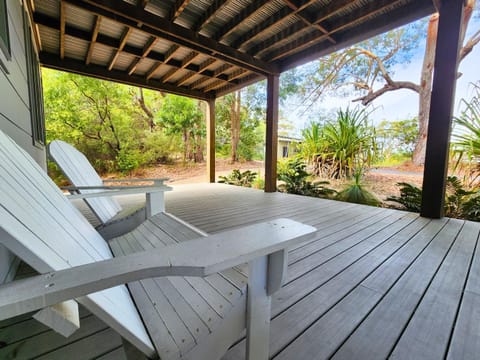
[(205, 48)]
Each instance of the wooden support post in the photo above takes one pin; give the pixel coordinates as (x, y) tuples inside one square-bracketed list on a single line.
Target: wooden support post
[(272, 134), (211, 140), (441, 107)]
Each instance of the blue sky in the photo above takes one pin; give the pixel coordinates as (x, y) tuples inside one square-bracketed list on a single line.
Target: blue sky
[(400, 104)]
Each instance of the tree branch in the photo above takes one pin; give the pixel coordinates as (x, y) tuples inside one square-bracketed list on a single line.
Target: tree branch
[(469, 45), (394, 85)]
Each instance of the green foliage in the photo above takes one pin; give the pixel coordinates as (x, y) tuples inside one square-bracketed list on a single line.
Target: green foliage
[(128, 160), (397, 137), (252, 128), (159, 148), (410, 197), (342, 144), (183, 116), (353, 70), (459, 202), (356, 193), (311, 144), (259, 183), (238, 178), (118, 127), (466, 135), (295, 177), (96, 116)]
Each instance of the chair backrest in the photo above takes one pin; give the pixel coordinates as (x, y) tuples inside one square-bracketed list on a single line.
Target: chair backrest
[(78, 170), (38, 224)]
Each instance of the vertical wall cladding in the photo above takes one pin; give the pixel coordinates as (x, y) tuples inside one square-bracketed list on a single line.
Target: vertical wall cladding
[(15, 109)]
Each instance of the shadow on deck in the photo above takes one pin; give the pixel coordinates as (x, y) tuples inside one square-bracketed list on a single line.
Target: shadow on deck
[(375, 283)]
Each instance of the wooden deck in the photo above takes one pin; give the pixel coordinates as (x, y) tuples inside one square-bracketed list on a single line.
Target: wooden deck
[(375, 283)]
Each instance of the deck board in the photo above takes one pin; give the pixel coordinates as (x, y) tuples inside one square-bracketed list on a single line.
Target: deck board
[(373, 282)]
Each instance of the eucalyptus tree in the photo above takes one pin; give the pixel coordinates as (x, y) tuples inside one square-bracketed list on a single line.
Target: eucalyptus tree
[(368, 68)]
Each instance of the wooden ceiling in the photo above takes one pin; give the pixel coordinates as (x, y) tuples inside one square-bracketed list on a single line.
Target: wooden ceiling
[(205, 48)]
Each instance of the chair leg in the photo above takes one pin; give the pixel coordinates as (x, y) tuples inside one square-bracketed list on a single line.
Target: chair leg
[(155, 203), (258, 310)]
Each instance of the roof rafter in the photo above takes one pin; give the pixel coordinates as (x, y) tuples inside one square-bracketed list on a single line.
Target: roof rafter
[(246, 13), (52, 23), (91, 46), (347, 22), (168, 56), (78, 67), (245, 81), (129, 15), (332, 9), (121, 45), (177, 9), (185, 62), (283, 36), (297, 9), (201, 68), (146, 50), (62, 29), (264, 26), (209, 14), (397, 17)]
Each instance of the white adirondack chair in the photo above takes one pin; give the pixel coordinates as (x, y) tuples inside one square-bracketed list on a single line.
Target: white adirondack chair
[(114, 220), (191, 302)]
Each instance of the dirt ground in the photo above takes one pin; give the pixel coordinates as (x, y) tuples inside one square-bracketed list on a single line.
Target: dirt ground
[(381, 181)]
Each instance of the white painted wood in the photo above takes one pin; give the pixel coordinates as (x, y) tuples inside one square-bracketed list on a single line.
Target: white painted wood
[(277, 270), (39, 224), (199, 257), (258, 310), (63, 318), (86, 181), (78, 170), (156, 181), (218, 342), (155, 203), (119, 191)]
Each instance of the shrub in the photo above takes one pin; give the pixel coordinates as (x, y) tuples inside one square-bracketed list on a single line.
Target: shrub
[(459, 202), (466, 137), (356, 193), (239, 178), (410, 197), (338, 146), (295, 177), (128, 160)]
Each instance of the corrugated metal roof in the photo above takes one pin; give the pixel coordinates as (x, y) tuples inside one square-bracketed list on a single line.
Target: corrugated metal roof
[(206, 48)]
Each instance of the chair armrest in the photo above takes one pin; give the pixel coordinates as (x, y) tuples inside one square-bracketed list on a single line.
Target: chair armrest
[(200, 257), (156, 181), (113, 190)]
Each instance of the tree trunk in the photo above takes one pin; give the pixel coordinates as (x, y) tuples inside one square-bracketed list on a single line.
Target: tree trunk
[(186, 145), (235, 125), (198, 149), (425, 91), (146, 110), (426, 80)]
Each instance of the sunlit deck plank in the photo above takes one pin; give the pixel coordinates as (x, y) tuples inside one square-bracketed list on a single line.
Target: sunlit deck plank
[(369, 273)]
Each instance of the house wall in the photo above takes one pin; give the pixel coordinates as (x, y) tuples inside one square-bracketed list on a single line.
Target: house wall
[(15, 117)]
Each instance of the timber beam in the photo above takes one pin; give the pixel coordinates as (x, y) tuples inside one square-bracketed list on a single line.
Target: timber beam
[(139, 53), (131, 15), (78, 67), (271, 141)]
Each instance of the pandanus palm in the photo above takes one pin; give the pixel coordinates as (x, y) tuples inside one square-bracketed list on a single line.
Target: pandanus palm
[(346, 143)]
